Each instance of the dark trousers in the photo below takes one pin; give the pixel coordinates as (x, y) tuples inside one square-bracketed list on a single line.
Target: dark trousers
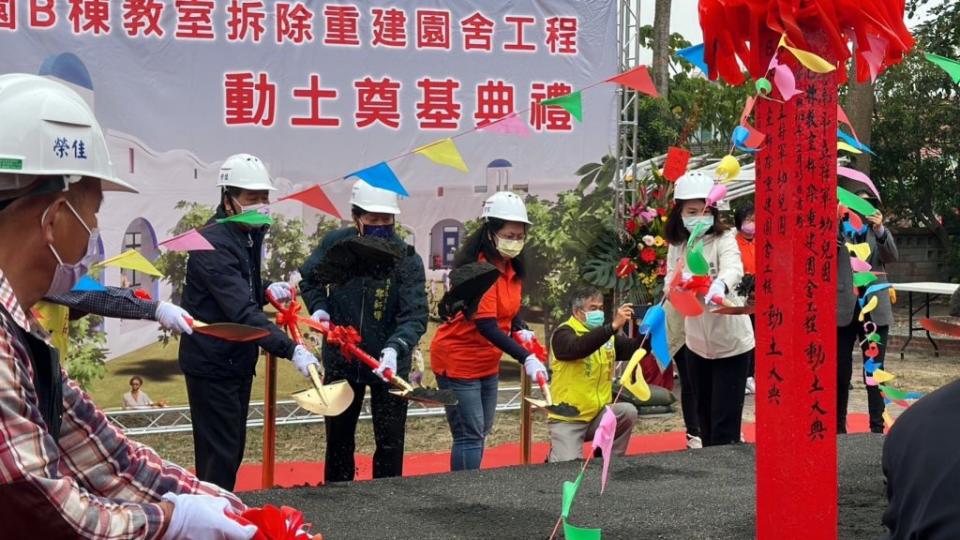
[(218, 410), (752, 364), (389, 424), (720, 384), (847, 336), (688, 393)]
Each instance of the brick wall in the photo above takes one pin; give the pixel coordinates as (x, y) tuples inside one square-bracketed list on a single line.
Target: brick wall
[(922, 258)]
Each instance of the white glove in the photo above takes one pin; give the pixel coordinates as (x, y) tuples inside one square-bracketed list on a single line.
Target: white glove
[(280, 291), (302, 358), (525, 335), (716, 293), (173, 318), (203, 516), (533, 365), (388, 360), (320, 316)]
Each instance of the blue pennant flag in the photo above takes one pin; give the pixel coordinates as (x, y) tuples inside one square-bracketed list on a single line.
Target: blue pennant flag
[(381, 176), (88, 284), (852, 141), (694, 55), (655, 323)]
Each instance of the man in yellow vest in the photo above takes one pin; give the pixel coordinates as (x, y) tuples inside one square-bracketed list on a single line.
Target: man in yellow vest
[(582, 352)]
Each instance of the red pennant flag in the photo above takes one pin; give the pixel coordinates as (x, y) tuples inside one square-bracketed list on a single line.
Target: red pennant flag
[(842, 118), (747, 109), (637, 78), (676, 163), (316, 198), (755, 138)]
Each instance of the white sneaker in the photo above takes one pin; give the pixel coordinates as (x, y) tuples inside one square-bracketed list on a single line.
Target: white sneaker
[(751, 386), (694, 442)]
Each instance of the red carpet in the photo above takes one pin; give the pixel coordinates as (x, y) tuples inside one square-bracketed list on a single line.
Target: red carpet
[(299, 473)]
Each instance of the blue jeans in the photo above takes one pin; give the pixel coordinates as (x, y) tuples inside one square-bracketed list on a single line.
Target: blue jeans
[(471, 419)]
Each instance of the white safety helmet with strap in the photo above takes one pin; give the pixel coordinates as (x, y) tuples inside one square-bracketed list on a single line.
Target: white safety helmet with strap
[(245, 172), (47, 129), (373, 199), (507, 206), (692, 185)]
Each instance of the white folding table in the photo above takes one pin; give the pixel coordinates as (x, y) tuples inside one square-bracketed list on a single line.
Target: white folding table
[(928, 289)]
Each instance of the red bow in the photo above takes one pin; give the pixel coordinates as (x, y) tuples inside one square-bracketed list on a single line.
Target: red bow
[(340, 336), (274, 523)]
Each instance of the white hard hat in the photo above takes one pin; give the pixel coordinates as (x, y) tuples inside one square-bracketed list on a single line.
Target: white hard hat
[(507, 206), (245, 172), (373, 199), (692, 185), (49, 130)]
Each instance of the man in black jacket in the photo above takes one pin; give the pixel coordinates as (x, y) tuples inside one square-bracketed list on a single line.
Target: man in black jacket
[(391, 316), (224, 285)]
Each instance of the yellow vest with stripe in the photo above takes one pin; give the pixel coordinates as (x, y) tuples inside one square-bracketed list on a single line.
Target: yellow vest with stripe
[(585, 383), (55, 319)]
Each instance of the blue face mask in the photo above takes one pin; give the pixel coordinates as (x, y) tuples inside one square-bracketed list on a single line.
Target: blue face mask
[(594, 319), (379, 231)]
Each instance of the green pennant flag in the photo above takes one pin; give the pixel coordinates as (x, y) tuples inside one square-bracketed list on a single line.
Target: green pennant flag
[(892, 393), (571, 102), (572, 532), (949, 65), (696, 262), (569, 493), (862, 279), (874, 337), (249, 218), (855, 203)]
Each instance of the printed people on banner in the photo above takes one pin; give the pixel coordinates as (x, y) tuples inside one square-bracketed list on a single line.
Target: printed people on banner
[(225, 285), (465, 352), (68, 472), (718, 346), (861, 321), (582, 352), (390, 313)]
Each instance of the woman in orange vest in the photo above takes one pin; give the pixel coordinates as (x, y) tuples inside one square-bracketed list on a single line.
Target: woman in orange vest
[(465, 352), (744, 219)]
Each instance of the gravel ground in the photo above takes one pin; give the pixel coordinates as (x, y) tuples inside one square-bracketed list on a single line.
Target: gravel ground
[(703, 494)]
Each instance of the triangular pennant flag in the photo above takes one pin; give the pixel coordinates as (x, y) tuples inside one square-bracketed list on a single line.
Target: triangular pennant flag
[(874, 56), (572, 532), (191, 240), (572, 103), (855, 203), (859, 266), (632, 377), (728, 168), (862, 251), (892, 393), (785, 81), (871, 305), (315, 197), (381, 176), (854, 142), (250, 217), (858, 176), (951, 66), (443, 152), (694, 55), (510, 124), (747, 109), (655, 324), (88, 284), (810, 61), (603, 439), (882, 376), (676, 163), (638, 79), (847, 148), (861, 279), (132, 260), (569, 493), (842, 118)]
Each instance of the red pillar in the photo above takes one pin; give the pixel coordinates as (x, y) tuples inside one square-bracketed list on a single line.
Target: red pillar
[(796, 308)]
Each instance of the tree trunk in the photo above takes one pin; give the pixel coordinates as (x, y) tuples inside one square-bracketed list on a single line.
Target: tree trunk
[(859, 109), (661, 46)]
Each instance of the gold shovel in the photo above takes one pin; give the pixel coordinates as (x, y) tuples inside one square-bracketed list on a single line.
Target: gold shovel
[(324, 399)]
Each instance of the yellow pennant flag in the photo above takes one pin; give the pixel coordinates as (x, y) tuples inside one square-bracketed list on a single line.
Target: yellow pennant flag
[(887, 419), (132, 260), (871, 305), (862, 251), (882, 376), (632, 378), (443, 152), (809, 60), (847, 148)]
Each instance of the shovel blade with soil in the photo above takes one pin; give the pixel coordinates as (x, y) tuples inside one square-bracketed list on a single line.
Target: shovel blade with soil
[(560, 409)]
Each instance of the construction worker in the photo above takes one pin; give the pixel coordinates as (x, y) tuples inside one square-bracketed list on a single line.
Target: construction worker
[(465, 352), (224, 285), (582, 352), (391, 316), (65, 471)]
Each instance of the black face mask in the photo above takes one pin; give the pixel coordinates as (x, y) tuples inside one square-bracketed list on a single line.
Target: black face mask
[(379, 231)]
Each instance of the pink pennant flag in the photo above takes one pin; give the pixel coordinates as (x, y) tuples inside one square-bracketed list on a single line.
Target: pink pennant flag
[(874, 56), (747, 109), (191, 240), (842, 118), (508, 125), (717, 193), (785, 81), (859, 266), (858, 176), (603, 439)]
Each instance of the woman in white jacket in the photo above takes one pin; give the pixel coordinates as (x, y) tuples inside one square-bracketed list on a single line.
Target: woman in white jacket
[(718, 346)]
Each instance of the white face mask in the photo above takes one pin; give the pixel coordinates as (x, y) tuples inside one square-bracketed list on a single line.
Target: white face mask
[(690, 222), (66, 276)]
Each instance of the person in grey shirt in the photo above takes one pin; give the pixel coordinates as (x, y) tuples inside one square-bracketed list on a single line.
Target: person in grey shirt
[(850, 329)]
